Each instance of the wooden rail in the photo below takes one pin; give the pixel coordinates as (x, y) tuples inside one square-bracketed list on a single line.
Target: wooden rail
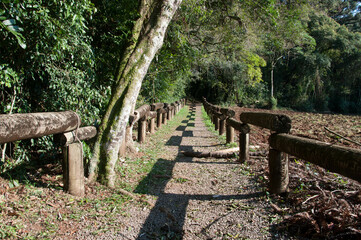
[(65, 126), (342, 160), (16, 127)]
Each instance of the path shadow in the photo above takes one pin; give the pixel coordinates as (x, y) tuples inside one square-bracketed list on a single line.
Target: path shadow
[(167, 218)]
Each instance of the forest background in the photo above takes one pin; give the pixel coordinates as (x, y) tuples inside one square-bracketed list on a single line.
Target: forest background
[(64, 55)]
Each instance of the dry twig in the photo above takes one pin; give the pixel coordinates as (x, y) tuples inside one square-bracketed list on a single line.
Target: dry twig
[(347, 139)]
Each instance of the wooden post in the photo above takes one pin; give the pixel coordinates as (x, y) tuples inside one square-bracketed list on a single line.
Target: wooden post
[(243, 147), (73, 166), (83, 133), (278, 170), (156, 106), (168, 113), (142, 127), (222, 126), (152, 125), (229, 134), (159, 118), (164, 118), (73, 169), (216, 122)]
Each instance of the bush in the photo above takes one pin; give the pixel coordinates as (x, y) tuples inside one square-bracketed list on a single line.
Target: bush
[(273, 103)]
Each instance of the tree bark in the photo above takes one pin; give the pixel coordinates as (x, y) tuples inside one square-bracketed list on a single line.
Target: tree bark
[(272, 81), (147, 38)]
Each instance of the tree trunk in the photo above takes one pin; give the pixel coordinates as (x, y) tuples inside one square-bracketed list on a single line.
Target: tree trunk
[(147, 38), (272, 70)]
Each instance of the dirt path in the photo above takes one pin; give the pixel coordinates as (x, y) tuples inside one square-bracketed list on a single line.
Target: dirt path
[(198, 198)]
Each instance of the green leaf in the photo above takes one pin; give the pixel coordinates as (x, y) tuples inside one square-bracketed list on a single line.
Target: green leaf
[(9, 22)]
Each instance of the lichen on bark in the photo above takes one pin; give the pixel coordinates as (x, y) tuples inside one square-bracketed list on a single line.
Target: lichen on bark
[(147, 38)]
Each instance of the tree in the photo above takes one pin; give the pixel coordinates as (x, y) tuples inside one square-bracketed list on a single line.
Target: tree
[(326, 75), (225, 36), (345, 12), (288, 31), (54, 71), (147, 38)]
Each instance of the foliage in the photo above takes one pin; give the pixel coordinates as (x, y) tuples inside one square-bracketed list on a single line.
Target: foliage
[(345, 12), (169, 73), (111, 28), (273, 102), (320, 77), (55, 71), (224, 36)]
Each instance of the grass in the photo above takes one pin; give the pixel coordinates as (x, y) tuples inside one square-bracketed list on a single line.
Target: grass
[(181, 180), (137, 174)]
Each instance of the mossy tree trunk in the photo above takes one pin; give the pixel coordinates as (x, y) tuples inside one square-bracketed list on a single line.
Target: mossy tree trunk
[(147, 38)]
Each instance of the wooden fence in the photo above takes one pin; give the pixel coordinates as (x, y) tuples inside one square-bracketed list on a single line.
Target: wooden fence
[(65, 126), (342, 160)]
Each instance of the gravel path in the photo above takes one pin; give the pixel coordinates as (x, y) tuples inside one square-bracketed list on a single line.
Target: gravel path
[(203, 198)]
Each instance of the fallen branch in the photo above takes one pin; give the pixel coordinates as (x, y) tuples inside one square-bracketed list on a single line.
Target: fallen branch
[(125, 192), (226, 153), (308, 199), (347, 139), (277, 208)]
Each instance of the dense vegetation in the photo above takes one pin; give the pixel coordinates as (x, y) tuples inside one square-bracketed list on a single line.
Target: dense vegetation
[(58, 55), (303, 55)]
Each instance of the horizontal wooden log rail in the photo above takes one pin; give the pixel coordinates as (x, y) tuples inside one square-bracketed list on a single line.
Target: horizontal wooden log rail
[(239, 126), (82, 134), (65, 126), (157, 112), (275, 122), (227, 112), (152, 114), (156, 106), (16, 127), (342, 160)]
